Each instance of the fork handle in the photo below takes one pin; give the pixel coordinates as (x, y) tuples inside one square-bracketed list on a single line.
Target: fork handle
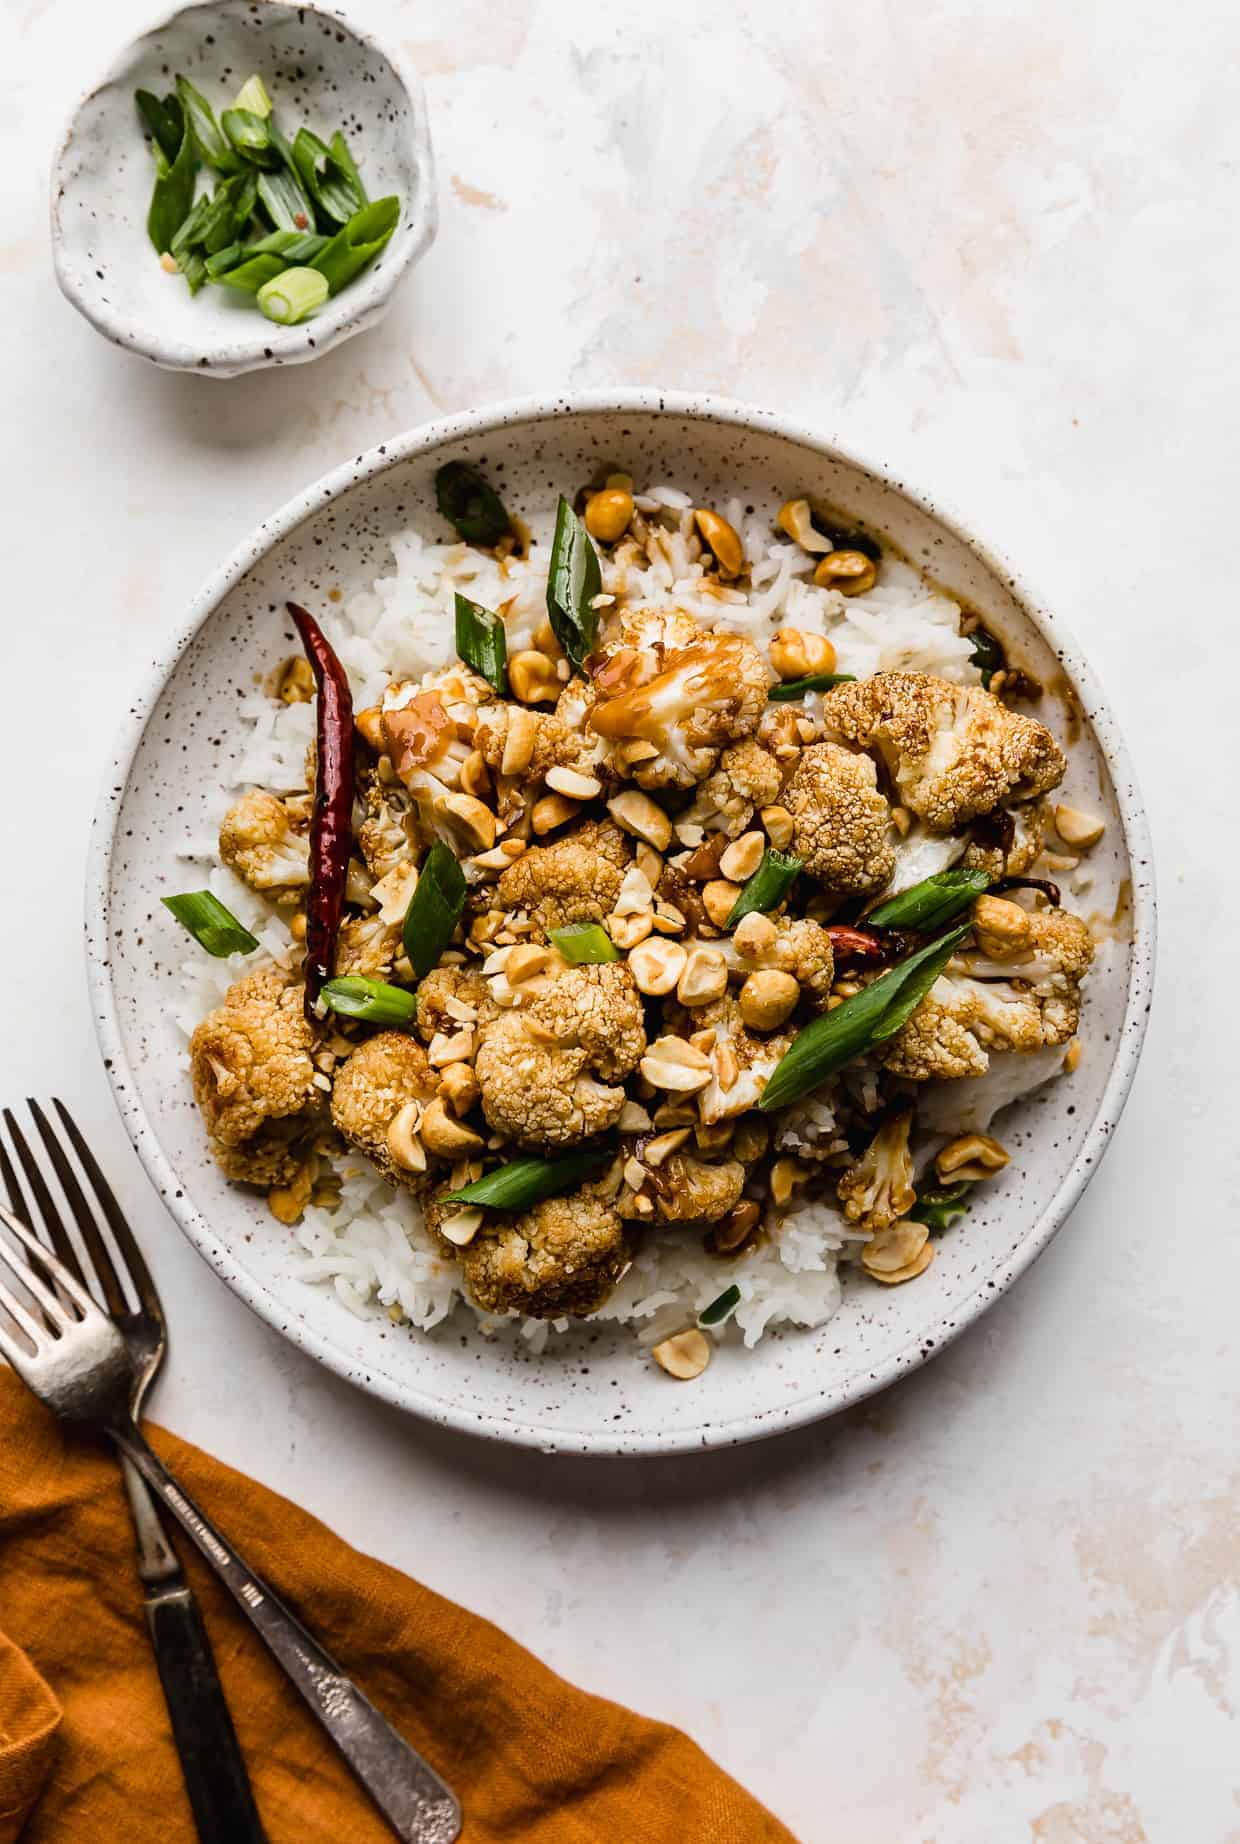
[(407, 1790)]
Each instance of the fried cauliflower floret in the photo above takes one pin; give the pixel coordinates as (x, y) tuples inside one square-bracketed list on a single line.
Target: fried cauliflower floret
[(686, 1189), (704, 696), (748, 776), (447, 995), (251, 1068), (366, 946), (533, 741), (385, 836), (1006, 844), (801, 947), (741, 1062), (1025, 1002), (953, 751), (562, 1256), (576, 879), (371, 1088), (878, 1189), (841, 823), (266, 844), (546, 1072)]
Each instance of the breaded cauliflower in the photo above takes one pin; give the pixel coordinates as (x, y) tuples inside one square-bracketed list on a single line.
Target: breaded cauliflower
[(385, 836), (428, 732), (741, 1062), (564, 1255), (544, 1071), (266, 844), (686, 1189), (953, 751), (252, 1075), (531, 742), (801, 947), (748, 776), (367, 946), (841, 823), (878, 1189), (447, 995), (371, 1088), (703, 696), (576, 879), (978, 1006), (1006, 844)]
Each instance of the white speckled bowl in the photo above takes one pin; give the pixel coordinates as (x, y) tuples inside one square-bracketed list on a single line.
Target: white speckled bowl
[(594, 1391), (321, 71)]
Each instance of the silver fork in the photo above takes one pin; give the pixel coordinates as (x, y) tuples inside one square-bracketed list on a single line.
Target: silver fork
[(75, 1359), (216, 1781)]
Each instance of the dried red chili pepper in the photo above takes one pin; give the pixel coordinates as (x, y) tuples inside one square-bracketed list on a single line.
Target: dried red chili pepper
[(861, 944), (331, 824)]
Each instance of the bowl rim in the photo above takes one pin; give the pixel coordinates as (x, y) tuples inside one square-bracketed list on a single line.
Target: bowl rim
[(241, 354), (812, 1404)]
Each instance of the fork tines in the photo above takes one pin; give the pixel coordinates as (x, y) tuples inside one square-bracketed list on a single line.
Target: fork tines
[(95, 1268)]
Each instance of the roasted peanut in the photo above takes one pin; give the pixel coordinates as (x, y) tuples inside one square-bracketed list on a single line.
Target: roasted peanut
[(742, 858), (1077, 829), (796, 520), (719, 899), (635, 812), (532, 678), (608, 514), (972, 1155), (723, 540), (851, 572), (795, 654), (767, 998)]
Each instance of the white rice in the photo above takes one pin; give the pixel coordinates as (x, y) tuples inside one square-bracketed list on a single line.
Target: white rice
[(373, 1249)]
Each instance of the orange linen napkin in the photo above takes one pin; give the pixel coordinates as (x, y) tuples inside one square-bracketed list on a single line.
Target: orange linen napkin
[(532, 1760)]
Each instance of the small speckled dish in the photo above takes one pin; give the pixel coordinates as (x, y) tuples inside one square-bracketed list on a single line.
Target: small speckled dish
[(320, 70), (594, 1390)]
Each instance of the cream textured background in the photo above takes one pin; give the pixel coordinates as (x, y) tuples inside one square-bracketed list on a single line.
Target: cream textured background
[(993, 242)]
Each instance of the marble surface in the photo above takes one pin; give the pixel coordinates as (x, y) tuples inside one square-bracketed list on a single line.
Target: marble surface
[(989, 241)]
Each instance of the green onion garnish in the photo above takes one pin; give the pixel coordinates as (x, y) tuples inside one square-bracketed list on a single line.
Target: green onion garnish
[(720, 1309), (282, 198), (792, 689), (932, 903), (481, 643), (175, 171), (469, 504), (361, 240), (249, 134), (584, 944), (213, 927), (166, 121), (768, 886), (200, 119), (375, 1001), (526, 1181), (246, 277), (333, 184), (291, 295), (870, 1017), (434, 908), (940, 1208), (573, 580), (253, 96)]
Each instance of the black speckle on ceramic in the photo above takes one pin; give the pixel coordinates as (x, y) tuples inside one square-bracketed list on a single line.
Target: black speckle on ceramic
[(177, 746), (320, 70)]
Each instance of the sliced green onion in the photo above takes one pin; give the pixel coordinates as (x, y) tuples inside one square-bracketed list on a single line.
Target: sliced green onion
[(343, 157), (193, 267), (290, 296), (329, 183), (249, 134), (870, 1017), (434, 908), (940, 1208), (932, 903), (470, 504), (213, 927), (200, 119), (172, 199), (584, 944), (246, 277), (375, 1001), (361, 240), (228, 213), (720, 1309), (481, 643), (253, 96), (768, 886), (573, 580), (188, 234), (792, 689), (987, 654), (166, 121), (527, 1181), (280, 193)]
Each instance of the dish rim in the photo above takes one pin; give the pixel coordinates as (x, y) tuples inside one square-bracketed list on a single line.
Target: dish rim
[(234, 357), (776, 1418)]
